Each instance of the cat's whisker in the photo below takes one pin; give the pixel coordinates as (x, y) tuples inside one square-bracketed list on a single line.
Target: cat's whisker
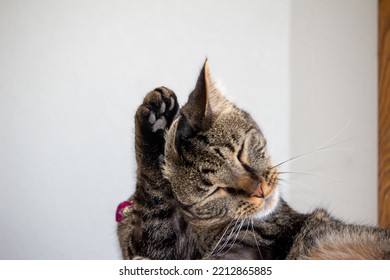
[(313, 174), (323, 147), (220, 239), (329, 142), (308, 187), (247, 220), (309, 153), (238, 230), (228, 238), (288, 184), (254, 237), (235, 230), (217, 250)]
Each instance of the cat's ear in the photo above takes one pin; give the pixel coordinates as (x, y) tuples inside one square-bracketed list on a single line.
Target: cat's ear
[(196, 114), (197, 110)]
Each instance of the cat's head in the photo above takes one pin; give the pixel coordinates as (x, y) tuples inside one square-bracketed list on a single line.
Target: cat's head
[(216, 159)]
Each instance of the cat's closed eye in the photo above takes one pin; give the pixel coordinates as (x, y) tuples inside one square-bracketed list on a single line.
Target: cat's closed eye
[(218, 190)]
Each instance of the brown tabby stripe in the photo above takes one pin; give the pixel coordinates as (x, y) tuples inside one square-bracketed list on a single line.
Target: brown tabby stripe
[(219, 153), (203, 138), (207, 182), (230, 147)]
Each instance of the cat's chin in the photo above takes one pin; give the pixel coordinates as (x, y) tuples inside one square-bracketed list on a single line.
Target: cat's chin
[(269, 205)]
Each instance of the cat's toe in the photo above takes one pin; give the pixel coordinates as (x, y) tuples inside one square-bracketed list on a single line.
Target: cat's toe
[(158, 109), (152, 118), (169, 105), (161, 123), (173, 103), (162, 108)]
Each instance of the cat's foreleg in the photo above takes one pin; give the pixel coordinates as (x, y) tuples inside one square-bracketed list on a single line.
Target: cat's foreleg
[(153, 117), (152, 235)]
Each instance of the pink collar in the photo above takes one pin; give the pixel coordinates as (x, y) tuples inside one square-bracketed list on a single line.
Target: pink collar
[(123, 209)]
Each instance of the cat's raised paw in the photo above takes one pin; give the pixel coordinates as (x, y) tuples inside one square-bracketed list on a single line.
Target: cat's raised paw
[(158, 110)]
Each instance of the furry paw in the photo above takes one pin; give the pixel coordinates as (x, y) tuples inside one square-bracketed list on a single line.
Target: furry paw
[(153, 117), (158, 110)]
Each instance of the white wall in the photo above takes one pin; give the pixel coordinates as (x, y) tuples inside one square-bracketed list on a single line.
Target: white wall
[(71, 76), (333, 70)]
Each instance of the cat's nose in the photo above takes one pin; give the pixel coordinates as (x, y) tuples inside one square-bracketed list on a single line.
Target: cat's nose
[(262, 190), (259, 190), (248, 184)]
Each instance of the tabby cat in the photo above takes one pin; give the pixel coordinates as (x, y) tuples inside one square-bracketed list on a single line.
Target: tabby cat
[(207, 189)]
